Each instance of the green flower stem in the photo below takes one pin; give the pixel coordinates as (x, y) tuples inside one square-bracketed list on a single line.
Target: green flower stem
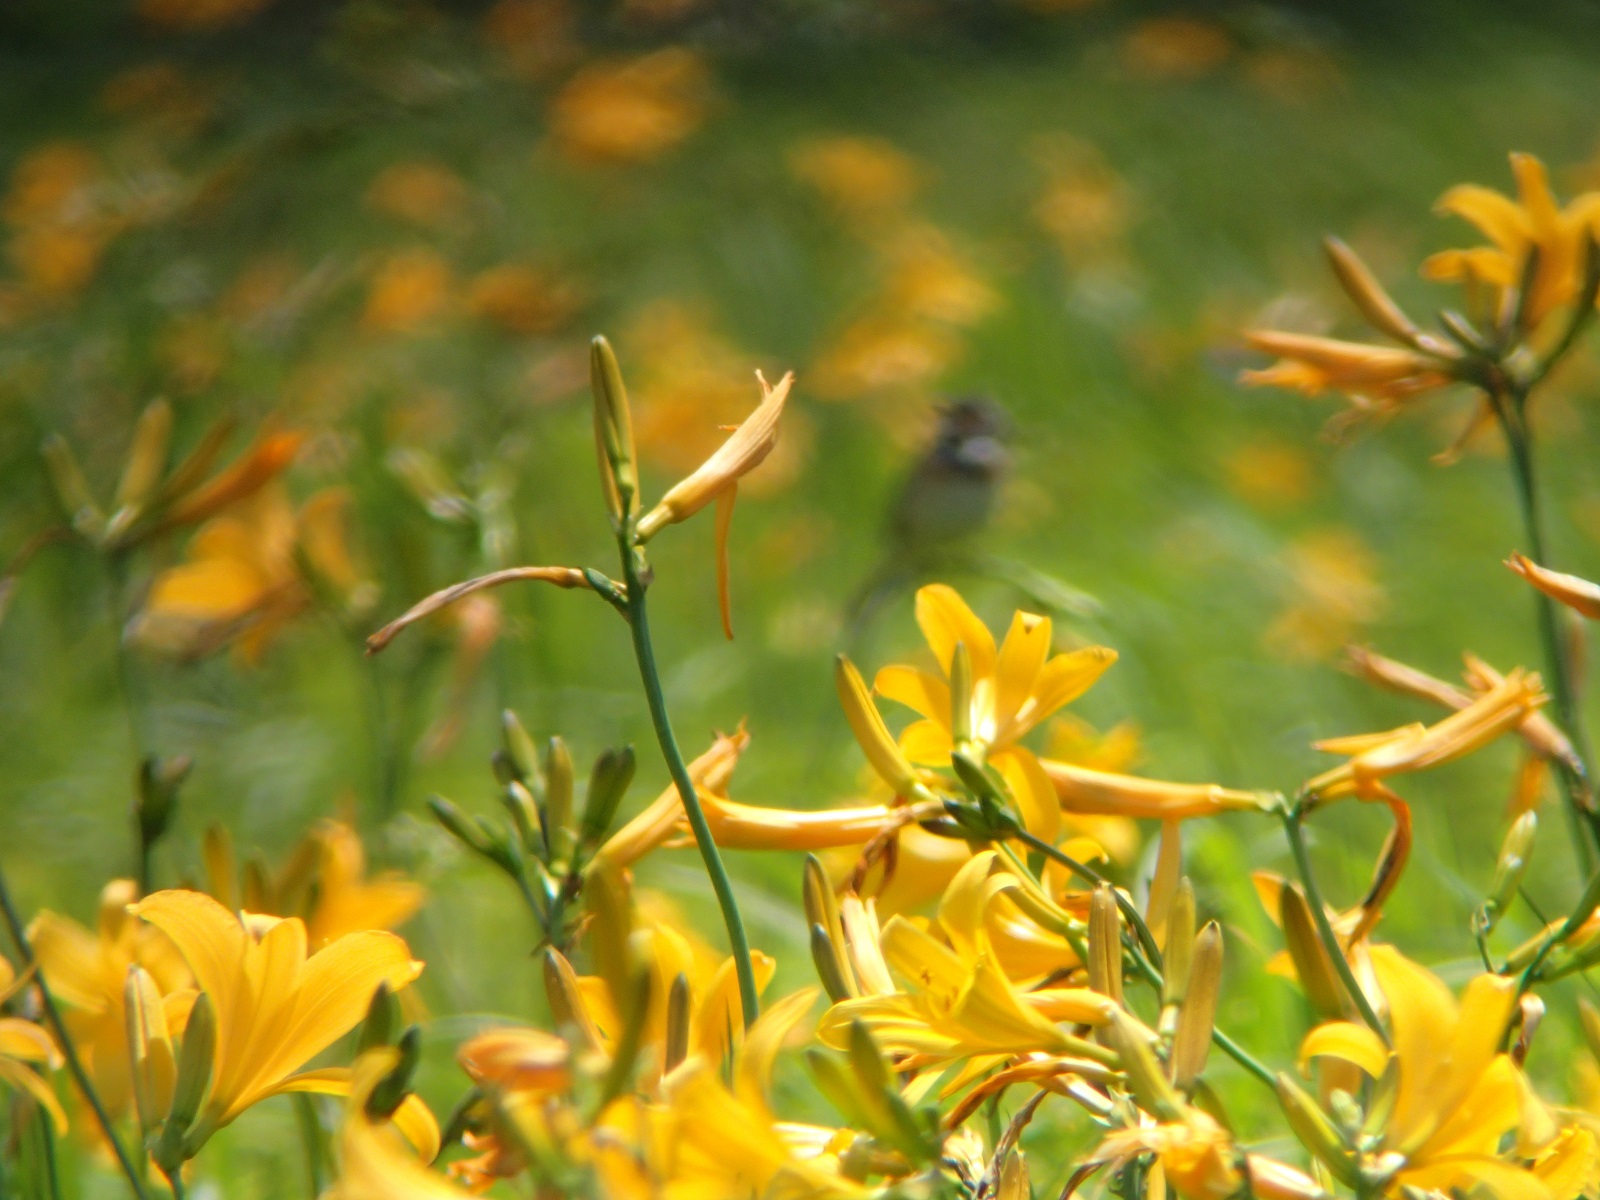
[(1510, 408), (644, 651), (1150, 966), (305, 1112), (1292, 817), (69, 1050)]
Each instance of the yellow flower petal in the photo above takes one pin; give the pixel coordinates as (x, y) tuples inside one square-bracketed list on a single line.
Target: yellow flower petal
[(1347, 1042), (919, 691), (1022, 657), (945, 619)]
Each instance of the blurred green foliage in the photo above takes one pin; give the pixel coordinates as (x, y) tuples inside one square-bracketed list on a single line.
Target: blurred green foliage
[(1118, 208)]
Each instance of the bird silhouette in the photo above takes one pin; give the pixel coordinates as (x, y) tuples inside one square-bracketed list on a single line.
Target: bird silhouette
[(945, 504)]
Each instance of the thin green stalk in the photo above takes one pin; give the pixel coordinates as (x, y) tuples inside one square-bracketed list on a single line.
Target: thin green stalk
[(644, 651), (69, 1049), (175, 1184), (1292, 817), (305, 1112), (1150, 962), (1511, 410), (47, 1151)]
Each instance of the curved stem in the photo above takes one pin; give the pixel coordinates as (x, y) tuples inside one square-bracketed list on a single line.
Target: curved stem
[(1292, 818), (644, 651), (1510, 408), (69, 1050)]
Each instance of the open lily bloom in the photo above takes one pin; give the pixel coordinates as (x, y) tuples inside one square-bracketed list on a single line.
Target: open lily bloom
[(1532, 223), (1201, 1162), (276, 1006), (1014, 688), (955, 998), (1458, 1095)]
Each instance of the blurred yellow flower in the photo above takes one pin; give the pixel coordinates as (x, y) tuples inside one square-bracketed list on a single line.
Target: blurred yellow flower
[(421, 193), (926, 279), (1085, 206), (632, 111), (1269, 474), (242, 580), (534, 36), (1377, 379), (521, 300), (864, 178), (1014, 688), (1533, 221), (878, 353), (408, 290), (374, 1164), (1177, 48), (87, 972), (161, 93), (60, 226), (1333, 591), (276, 1006), (24, 1047), (1458, 1094)]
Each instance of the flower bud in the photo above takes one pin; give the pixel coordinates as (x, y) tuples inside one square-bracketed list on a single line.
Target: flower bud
[(159, 781), (1105, 944), (558, 777), (676, 1046), (613, 772), (1147, 1080), (390, 1091), (383, 1015), (871, 733), (613, 431), (72, 489), (1191, 1042), (178, 1142), (151, 1065), (146, 462), (521, 756), (1368, 295), (830, 964), (565, 997), (1179, 944), (1509, 868), (1316, 1131), (1312, 965)]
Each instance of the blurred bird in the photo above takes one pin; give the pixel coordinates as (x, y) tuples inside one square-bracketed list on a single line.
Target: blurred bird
[(949, 496), (948, 499)]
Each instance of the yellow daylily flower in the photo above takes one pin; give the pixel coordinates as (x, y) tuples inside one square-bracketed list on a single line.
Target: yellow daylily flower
[(243, 580), (956, 1000), (87, 972), (1457, 1094), (276, 1006), (1532, 222), (23, 1048), (1377, 380), (1201, 1162), (323, 881), (1373, 757), (375, 1164), (672, 948), (1014, 687)]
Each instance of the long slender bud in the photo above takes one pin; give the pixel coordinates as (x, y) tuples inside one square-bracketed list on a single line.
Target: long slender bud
[(1191, 1043), (1105, 944), (1368, 294), (871, 733), (613, 432)]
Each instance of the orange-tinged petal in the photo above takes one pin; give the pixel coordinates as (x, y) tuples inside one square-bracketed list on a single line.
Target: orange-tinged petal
[(1576, 593), (208, 589), (72, 960), (1106, 793), (24, 1040), (945, 619), (919, 691), (1497, 217), (1503, 1180)]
